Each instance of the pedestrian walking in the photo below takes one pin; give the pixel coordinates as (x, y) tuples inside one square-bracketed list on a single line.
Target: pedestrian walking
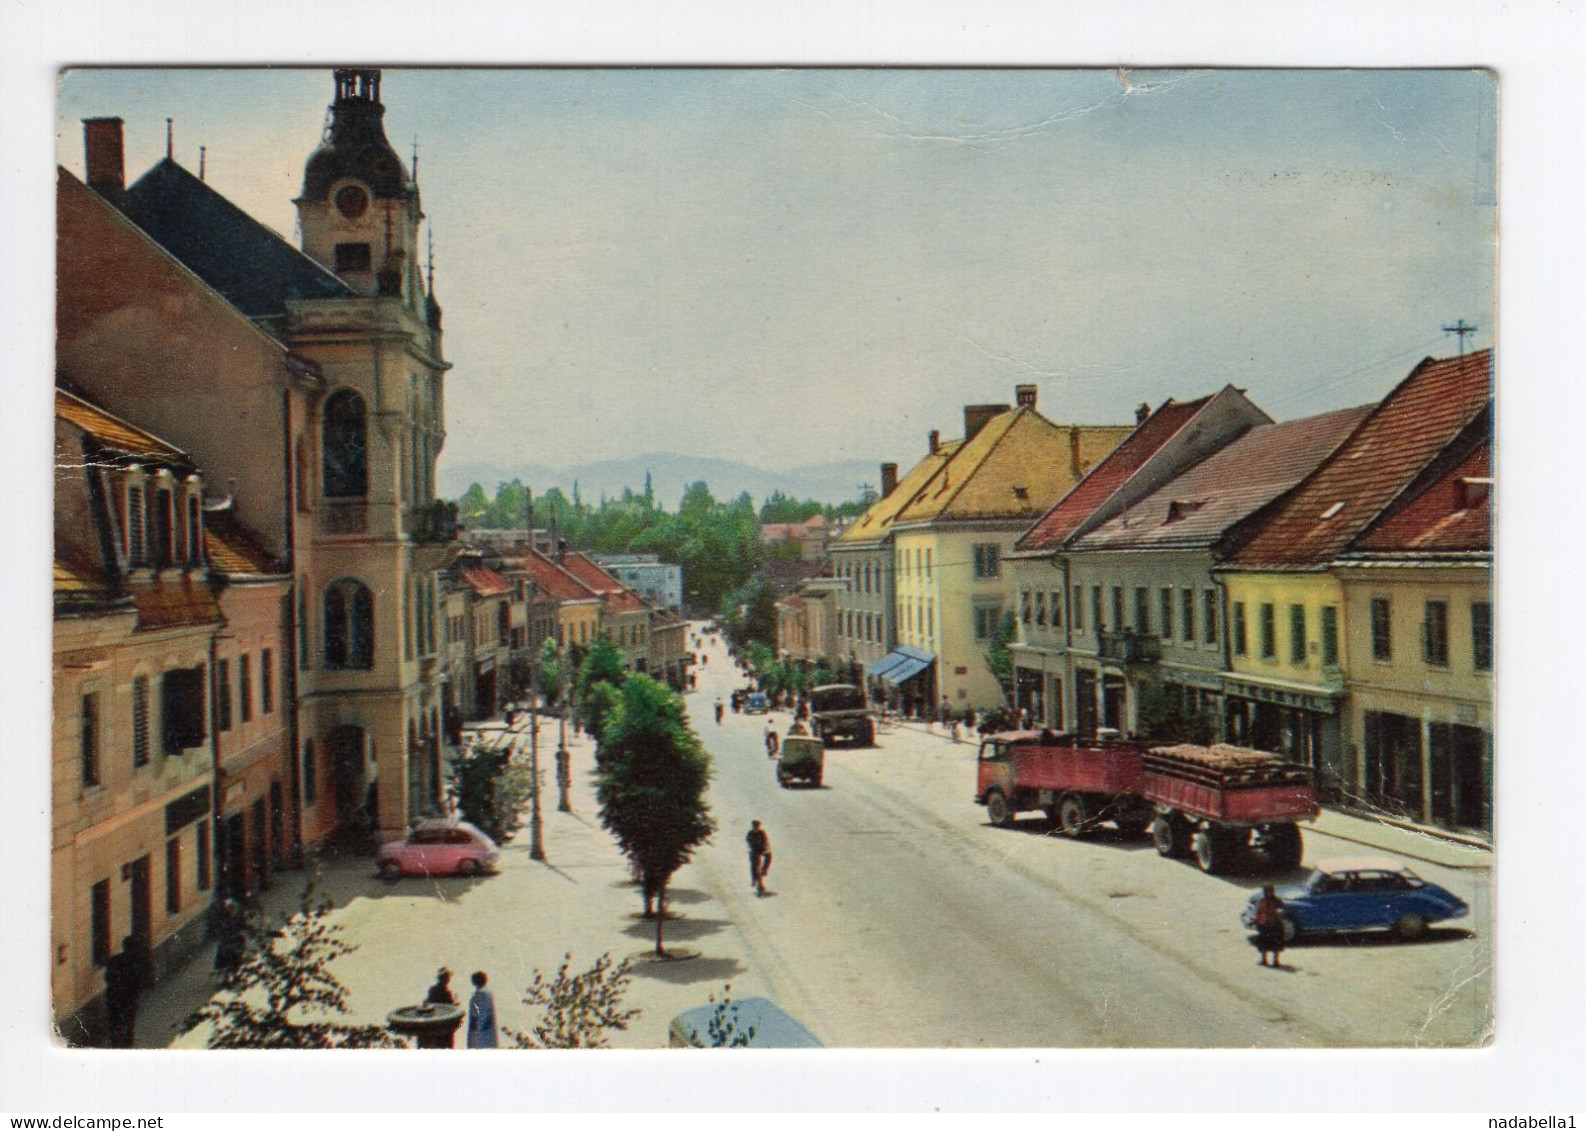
[(770, 738), (123, 985), (759, 856), (1269, 926), (719, 712), (441, 992), (481, 1015)]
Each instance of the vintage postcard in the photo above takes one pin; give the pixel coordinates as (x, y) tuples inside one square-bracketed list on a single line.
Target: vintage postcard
[(746, 557)]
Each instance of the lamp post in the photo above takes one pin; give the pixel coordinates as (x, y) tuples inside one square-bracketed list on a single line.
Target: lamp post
[(536, 826), (564, 768)]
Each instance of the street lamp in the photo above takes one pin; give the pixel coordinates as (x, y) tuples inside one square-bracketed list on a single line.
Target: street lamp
[(536, 825)]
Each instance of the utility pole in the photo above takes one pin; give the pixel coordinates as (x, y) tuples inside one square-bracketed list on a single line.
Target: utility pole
[(564, 767), (536, 825), (1461, 329)]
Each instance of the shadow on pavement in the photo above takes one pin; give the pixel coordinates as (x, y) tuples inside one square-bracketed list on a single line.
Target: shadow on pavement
[(685, 973), (679, 929), (1107, 835), (687, 895)]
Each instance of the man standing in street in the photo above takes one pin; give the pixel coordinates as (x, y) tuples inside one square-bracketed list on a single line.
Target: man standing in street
[(759, 856), (123, 984)]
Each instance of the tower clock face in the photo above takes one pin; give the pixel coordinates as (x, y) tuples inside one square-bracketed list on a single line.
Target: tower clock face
[(352, 202)]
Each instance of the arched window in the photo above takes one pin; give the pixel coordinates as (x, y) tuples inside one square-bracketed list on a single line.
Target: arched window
[(345, 447), (349, 625)]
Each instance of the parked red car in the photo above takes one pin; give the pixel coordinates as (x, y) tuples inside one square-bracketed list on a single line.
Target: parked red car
[(439, 848)]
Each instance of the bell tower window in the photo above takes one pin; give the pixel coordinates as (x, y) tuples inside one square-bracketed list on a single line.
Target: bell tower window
[(352, 201), (352, 257), (345, 447)]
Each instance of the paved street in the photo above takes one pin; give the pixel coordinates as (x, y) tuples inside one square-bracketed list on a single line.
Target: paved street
[(898, 917)]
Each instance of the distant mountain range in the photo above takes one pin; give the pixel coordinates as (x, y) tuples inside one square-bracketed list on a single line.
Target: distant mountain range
[(835, 482)]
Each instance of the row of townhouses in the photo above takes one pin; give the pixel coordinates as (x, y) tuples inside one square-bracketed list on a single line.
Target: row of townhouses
[(267, 631), (1319, 588)]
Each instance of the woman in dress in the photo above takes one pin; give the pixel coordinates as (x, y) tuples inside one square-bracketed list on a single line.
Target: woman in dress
[(1269, 925), (481, 1015)]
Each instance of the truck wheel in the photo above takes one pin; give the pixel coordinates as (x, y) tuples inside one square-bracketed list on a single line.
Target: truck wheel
[(1284, 846), (870, 734), (1072, 818), (998, 809), (1169, 835), (1215, 848)]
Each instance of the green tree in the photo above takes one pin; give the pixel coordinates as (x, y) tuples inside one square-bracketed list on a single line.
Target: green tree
[(550, 672), (602, 667), (999, 657), (473, 505), (577, 1010), (651, 775), (490, 789), (283, 994), (595, 707)]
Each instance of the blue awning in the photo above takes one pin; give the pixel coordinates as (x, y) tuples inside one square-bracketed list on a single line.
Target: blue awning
[(901, 664)]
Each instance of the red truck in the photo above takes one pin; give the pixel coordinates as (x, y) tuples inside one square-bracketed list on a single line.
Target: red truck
[(1215, 802)]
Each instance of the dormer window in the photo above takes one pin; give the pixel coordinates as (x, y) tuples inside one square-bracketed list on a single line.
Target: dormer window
[(137, 543), (164, 532)]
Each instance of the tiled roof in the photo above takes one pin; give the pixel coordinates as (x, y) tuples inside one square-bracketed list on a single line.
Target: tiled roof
[(1107, 476), (484, 581), (76, 583), (1452, 515), (1015, 467), (230, 550), (1403, 434), (115, 434), (256, 269), (877, 521), (175, 603), (623, 601), (588, 572), (553, 579), (1199, 506)]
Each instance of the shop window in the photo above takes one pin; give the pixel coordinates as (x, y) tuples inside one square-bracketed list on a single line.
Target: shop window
[(99, 922), (349, 626)]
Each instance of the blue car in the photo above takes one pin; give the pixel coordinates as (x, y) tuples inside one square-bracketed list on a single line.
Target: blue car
[(1359, 893)]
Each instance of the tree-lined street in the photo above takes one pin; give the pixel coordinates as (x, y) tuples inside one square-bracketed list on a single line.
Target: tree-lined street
[(896, 916)]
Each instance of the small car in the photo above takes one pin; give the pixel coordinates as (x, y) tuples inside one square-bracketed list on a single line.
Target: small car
[(439, 848), (750, 1022), (756, 704), (1359, 893)]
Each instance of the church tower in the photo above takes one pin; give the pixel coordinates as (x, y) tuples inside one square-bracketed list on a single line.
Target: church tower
[(359, 211)]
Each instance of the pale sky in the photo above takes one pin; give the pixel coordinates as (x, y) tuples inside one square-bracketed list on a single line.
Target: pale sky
[(787, 267)]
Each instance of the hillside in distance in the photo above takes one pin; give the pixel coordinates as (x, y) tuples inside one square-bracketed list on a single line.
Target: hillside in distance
[(834, 482)]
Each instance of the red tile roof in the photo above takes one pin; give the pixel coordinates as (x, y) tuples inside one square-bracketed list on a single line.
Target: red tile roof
[(552, 578), (587, 571), (484, 581), (1412, 425), (1452, 515), (175, 603), (114, 433), (230, 550), (1234, 482), (1052, 528)]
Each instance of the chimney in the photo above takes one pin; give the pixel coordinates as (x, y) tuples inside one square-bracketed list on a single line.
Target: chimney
[(1141, 413), (103, 156), (889, 479), (1024, 396), (936, 440), (1073, 450), (977, 416)]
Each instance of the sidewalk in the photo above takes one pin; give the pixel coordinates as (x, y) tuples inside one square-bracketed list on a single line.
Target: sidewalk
[(1399, 839)]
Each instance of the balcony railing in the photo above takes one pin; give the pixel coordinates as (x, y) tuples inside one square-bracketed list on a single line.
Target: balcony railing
[(1130, 648), (433, 522)]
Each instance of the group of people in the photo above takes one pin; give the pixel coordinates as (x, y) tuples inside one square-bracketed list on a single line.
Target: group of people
[(481, 1007)]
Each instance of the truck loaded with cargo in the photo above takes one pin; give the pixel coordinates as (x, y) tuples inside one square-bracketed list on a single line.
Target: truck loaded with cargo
[(1218, 803), (840, 710)]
